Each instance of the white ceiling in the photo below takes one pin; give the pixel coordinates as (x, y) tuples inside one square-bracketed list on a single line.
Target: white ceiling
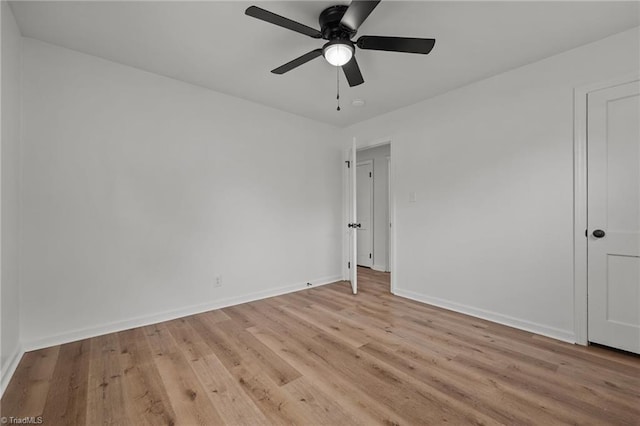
[(214, 45)]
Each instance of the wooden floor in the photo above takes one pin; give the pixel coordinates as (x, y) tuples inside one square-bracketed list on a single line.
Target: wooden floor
[(324, 356)]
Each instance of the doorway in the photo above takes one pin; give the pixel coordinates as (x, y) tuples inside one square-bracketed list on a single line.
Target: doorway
[(608, 215), (373, 178), (369, 212)]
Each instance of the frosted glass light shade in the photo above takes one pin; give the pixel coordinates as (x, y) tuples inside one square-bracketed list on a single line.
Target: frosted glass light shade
[(338, 54)]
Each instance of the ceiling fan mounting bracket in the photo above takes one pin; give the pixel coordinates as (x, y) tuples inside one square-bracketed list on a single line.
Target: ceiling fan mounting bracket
[(330, 24)]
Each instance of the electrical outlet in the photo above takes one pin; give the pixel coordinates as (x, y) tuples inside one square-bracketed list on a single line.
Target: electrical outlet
[(218, 281)]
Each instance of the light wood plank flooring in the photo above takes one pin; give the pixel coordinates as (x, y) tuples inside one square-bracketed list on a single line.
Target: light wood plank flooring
[(324, 356)]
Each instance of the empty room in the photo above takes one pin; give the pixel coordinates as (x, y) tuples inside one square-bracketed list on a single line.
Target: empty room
[(320, 212)]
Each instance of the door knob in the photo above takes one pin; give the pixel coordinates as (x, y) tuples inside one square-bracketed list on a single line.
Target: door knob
[(599, 233)]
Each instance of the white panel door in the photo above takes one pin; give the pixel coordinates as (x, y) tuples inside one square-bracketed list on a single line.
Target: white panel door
[(353, 216), (613, 144), (364, 179)]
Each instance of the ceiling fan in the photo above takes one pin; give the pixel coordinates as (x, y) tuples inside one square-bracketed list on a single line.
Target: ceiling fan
[(338, 25)]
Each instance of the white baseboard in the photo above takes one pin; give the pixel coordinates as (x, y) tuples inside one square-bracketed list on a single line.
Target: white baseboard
[(379, 268), (555, 333), (10, 368), (85, 333)]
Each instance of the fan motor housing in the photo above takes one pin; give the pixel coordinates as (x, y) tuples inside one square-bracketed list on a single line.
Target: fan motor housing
[(330, 24)]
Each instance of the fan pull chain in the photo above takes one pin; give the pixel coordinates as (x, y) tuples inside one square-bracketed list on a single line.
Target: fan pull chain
[(338, 86)]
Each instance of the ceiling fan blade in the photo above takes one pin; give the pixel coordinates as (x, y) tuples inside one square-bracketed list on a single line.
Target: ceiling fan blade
[(352, 72), (357, 12), (281, 21), (297, 62), (397, 44)]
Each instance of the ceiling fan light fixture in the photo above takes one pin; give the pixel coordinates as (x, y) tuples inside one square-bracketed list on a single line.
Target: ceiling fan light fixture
[(338, 52)]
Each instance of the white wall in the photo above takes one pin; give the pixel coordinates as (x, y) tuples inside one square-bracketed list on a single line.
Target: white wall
[(379, 156), (10, 349), (491, 232), (139, 190)]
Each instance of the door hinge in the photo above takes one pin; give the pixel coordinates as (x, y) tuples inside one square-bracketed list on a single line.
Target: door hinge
[(369, 255), (348, 164), (586, 232), (349, 265), (370, 174)]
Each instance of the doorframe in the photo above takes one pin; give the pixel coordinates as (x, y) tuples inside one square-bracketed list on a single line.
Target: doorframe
[(371, 206), (372, 143), (388, 224), (580, 223)]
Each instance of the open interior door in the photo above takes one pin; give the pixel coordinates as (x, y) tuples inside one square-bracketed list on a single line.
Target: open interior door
[(353, 218), (613, 238)]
